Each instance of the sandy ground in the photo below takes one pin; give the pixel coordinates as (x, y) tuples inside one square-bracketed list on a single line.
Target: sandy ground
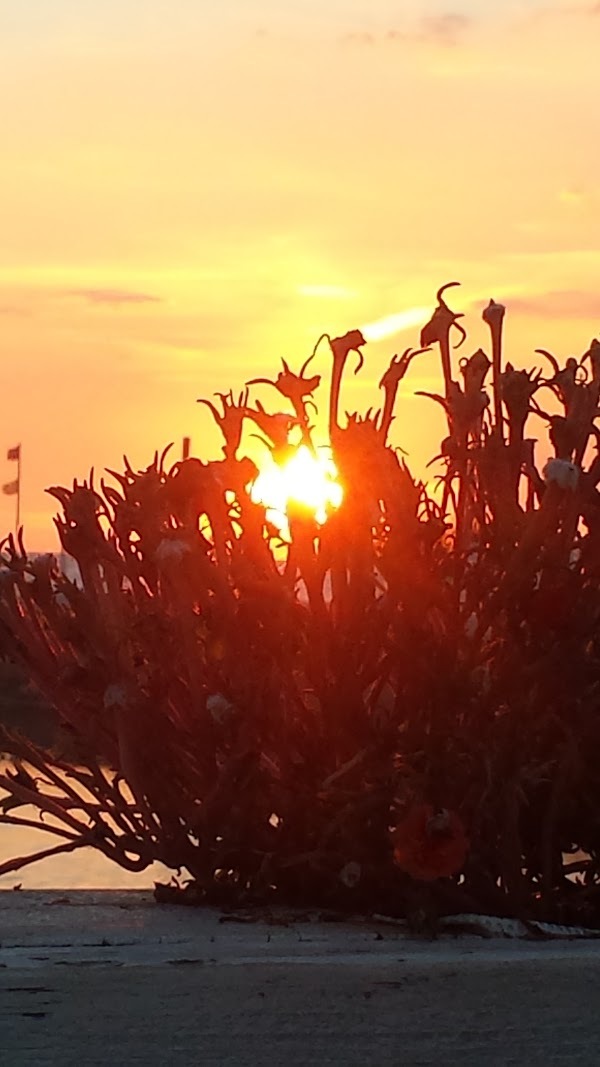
[(112, 978)]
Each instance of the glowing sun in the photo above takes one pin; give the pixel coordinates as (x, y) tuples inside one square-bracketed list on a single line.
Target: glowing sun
[(303, 479)]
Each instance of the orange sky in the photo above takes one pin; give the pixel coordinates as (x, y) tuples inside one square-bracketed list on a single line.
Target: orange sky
[(191, 191)]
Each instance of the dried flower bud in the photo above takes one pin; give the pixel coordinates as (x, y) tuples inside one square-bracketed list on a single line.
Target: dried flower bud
[(593, 354), (561, 472), (493, 313), (471, 626)]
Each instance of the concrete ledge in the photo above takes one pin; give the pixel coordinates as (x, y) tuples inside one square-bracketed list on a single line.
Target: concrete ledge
[(88, 977)]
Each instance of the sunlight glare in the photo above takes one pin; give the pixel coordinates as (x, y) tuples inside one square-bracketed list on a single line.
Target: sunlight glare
[(305, 479)]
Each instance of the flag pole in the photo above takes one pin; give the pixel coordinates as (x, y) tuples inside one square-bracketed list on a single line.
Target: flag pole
[(18, 519), (14, 488)]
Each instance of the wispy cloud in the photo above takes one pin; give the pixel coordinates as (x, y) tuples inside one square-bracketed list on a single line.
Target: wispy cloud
[(361, 37), (585, 10), (14, 311), (559, 304), (544, 13), (445, 29), (114, 297)]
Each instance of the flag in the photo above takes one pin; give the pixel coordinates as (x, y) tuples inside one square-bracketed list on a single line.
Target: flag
[(11, 488), (14, 453)]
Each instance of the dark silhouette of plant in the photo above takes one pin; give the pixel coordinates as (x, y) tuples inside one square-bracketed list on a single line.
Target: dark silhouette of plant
[(405, 694)]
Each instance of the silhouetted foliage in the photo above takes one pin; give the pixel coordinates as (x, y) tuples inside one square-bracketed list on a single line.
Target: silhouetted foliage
[(407, 694), (22, 707)]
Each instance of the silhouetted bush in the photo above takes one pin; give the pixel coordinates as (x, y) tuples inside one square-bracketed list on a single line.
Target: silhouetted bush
[(396, 709)]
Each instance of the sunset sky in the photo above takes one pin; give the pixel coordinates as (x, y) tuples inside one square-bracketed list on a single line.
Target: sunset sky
[(193, 189)]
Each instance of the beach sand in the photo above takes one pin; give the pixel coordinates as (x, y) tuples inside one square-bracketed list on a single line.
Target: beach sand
[(112, 978)]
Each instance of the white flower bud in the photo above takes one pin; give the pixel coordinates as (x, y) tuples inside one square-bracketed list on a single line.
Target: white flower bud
[(561, 472), (219, 708), (115, 696), (170, 551), (350, 874)]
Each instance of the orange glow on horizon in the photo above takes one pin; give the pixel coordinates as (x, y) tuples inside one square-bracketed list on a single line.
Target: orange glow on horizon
[(182, 208)]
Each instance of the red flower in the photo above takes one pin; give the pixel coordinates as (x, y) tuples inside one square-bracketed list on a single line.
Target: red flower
[(430, 843)]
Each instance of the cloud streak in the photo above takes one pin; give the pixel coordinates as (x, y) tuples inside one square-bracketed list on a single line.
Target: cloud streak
[(113, 297), (14, 311), (446, 29), (559, 304)]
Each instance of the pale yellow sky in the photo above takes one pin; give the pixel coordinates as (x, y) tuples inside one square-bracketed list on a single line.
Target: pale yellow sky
[(191, 191)]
